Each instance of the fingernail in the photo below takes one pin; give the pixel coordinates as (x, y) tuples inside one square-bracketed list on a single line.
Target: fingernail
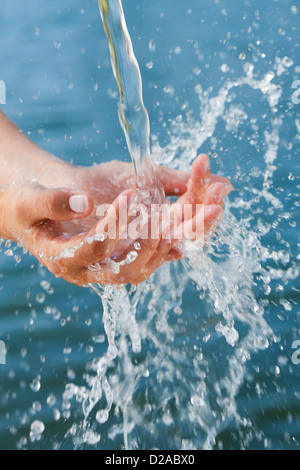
[(79, 203)]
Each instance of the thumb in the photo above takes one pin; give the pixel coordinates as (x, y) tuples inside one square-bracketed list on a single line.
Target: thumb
[(39, 203)]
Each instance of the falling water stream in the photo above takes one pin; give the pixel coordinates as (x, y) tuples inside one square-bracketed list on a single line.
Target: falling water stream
[(133, 115)]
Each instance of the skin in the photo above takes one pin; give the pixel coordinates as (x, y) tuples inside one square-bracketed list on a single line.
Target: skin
[(35, 192)]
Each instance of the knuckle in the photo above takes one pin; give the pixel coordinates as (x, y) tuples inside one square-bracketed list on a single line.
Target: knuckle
[(52, 203)]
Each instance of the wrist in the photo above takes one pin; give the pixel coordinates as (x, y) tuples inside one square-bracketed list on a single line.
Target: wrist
[(55, 173)]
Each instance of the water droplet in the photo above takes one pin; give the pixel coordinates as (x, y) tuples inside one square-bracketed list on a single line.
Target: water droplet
[(98, 339), (292, 273), (45, 284), (291, 177), (102, 416), (71, 374), (36, 430), (23, 352), (177, 50), (151, 287), (262, 342), (277, 371), (51, 400), (206, 338), (287, 61), (294, 9), (242, 56), (36, 407), (284, 256), (197, 400), (21, 442), (198, 89), (131, 257), (56, 414), (286, 305), (40, 298), (167, 419), (35, 385), (178, 310), (113, 94), (152, 45), (169, 90), (283, 360), (224, 68), (9, 253)]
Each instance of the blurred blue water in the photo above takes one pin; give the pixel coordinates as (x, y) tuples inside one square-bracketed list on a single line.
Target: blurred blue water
[(60, 89)]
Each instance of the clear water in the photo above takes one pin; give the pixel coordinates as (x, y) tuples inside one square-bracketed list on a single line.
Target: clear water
[(133, 116), (201, 356)]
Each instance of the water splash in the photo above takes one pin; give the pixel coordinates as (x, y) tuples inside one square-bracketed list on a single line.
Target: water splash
[(154, 342), (130, 394)]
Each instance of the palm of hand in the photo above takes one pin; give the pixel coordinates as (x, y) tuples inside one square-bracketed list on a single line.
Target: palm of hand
[(107, 181), (68, 242)]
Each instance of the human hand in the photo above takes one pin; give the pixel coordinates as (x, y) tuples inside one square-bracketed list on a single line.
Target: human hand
[(61, 228)]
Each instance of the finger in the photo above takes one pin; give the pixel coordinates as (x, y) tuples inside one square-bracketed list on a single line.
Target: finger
[(220, 179), (198, 182), (147, 246), (174, 182), (138, 227), (212, 217), (196, 228), (161, 256), (103, 238), (37, 203), (88, 248), (215, 194), (138, 270), (124, 271), (200, 178)]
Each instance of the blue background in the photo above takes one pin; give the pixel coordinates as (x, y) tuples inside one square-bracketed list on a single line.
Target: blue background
[(60, 90)]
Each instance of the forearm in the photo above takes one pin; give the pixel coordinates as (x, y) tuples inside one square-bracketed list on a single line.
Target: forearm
[(22, 160)]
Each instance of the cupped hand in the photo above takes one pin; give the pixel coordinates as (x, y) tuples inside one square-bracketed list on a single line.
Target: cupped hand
[(61, 228)]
